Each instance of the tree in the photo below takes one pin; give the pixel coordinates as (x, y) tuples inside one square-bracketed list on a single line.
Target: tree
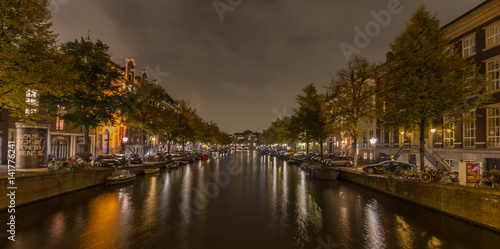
[(143, 107), (309, 116), (184, 130), (29, 58), (351, 98), (426, 79), (96, 98)]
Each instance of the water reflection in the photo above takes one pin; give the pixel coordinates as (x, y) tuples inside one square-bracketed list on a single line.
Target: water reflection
[(103, 228), (374, 232), (57, 227), (150, 206), (404, 232)]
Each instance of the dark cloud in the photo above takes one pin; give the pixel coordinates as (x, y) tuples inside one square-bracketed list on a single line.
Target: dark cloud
[(237, 71)]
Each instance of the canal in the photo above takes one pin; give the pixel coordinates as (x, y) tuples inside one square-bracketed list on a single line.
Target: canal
[(241, 200)]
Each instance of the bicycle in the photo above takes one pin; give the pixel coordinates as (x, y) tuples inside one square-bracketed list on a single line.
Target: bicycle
[(451, 178), (55, 165), (488, 180)]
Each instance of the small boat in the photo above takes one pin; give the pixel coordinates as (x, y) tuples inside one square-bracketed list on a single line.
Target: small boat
[(173, 164), (182, 162), (151, 171), (321, 171), (119, 177)]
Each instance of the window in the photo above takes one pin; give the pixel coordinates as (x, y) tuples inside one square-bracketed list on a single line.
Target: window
[(470, 129), (469, 46), (493, 127), (493, 35), (59, 124), (449, 132), (493, 74), (59, 147), (31, 97), (99, 141)]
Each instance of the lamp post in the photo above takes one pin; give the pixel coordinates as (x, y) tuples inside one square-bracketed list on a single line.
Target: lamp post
[(432, 137), (373, 141), (124, 143)]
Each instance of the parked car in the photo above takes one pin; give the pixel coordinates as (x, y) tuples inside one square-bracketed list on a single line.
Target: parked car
[(159, 157), (135, 159), (121, 159), (340, 161), (299, 154), (387, 167), (105, 160)]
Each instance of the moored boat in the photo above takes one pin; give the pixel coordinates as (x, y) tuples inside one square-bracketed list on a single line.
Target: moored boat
[(322, 172), (151, 171), (173, 164), (119, 177)]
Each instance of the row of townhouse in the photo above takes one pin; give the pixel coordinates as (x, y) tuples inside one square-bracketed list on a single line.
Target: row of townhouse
[(449, 142), (64, 140)]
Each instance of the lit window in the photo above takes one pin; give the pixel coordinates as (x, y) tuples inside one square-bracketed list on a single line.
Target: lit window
[(31, 97), (30, 111), (470, 129), (493, 74), (469, 46), (493, 35), (449, 132), (59, 124), (493, 127)]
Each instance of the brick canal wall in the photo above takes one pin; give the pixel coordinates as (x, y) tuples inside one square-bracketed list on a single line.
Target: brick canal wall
[(33, 187), (475, 205)]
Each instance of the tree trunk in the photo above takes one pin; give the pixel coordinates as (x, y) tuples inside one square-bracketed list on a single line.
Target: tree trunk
[(143, 143), (422, 144), (86, 146), (321, 147), (307, 148), (355, 152)]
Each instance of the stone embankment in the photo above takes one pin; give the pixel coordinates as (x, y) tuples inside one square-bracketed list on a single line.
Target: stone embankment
[(35, 185), (476, 205)]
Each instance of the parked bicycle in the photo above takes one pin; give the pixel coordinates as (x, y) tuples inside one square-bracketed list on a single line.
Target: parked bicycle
[(490, 179), (432, 176)]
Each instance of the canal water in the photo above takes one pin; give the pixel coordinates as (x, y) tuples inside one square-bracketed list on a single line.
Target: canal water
[(241, 200)]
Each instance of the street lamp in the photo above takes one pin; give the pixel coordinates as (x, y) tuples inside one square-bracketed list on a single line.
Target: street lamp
[(432, 137), (373, 141), (124, 141)]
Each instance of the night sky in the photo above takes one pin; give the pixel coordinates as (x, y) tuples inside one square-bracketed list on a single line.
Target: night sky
[(247, 69)]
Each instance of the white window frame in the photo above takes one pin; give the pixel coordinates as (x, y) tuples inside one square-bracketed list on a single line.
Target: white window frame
[(448, 132), (493, 127), (469, 46), (492, 34), (493, 74), (469, 129), (32, 97)]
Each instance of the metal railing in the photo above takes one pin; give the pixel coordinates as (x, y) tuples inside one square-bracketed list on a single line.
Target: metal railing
[(399, 153), (437, 161)]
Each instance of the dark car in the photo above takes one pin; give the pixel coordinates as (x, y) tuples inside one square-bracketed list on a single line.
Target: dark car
[(159, 157), (105, 160), (135, 159), (340, 161), (388, 167), (121, 159)]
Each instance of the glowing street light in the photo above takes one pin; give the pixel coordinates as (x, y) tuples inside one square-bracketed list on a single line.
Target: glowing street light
[(373, 141)]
